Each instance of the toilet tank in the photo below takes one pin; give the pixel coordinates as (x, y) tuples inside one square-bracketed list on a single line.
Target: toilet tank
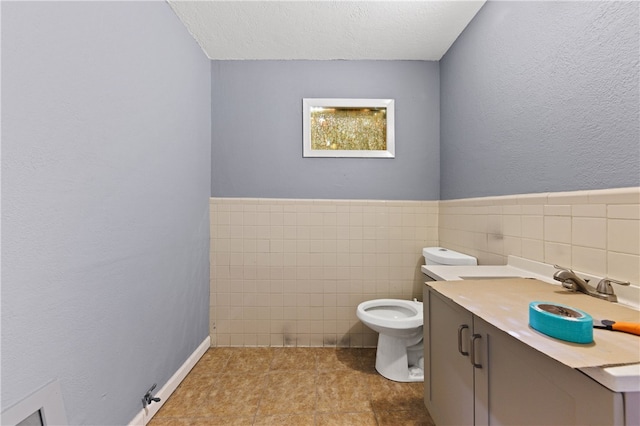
[(443, 256)]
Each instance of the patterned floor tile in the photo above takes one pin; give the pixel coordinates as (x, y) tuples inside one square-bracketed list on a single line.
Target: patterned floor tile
[(234, 394), (346, 419), (289, 392), (291, 387), (286, 420), (250, 360), (293, 359), (343, 391), (405, 418)]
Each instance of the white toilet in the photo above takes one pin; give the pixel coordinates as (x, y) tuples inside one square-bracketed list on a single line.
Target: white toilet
[(399, 356)]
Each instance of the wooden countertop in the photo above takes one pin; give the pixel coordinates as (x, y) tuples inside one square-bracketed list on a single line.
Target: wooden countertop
[(504, 303)]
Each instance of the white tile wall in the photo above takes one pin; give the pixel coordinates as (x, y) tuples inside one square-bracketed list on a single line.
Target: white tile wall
[(291, 272), (596, 232)]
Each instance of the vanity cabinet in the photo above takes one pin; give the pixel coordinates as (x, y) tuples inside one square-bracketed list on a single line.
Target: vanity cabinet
[(448, 374), (478, 374)]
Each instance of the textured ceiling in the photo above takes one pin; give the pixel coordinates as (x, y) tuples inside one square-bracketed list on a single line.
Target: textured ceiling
[(393, 30)]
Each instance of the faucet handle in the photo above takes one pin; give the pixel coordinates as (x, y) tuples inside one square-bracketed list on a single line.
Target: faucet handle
[(604, 286), (569, 285), (563, 268)]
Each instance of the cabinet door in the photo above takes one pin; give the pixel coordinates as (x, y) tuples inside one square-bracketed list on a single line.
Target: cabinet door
[(449, 390), (519, 385)]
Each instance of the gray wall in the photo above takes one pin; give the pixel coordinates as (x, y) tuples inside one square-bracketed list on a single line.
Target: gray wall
[(257, 130), (541, 96), (105, 185)]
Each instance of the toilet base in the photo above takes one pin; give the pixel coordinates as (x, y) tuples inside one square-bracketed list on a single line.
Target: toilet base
[(396, 361)]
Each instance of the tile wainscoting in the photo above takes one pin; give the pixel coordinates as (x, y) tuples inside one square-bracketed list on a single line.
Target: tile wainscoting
[(595, 232), (288, 272)]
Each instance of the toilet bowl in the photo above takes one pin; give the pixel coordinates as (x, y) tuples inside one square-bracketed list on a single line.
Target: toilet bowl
[(400, 354), (399, 324)]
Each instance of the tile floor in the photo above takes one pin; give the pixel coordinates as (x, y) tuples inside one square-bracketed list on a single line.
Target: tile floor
[(291, 386)]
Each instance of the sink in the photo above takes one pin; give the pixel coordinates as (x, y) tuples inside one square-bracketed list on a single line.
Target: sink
[(485, 277), (516, 268)]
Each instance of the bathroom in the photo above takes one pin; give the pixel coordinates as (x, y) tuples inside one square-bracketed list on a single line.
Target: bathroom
[(127, 160)]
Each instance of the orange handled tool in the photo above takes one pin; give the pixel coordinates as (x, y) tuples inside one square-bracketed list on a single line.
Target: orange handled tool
[(626, 327)]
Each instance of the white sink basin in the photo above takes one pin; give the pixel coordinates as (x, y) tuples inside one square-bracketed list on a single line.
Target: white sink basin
[(485, 277), (516, 268)]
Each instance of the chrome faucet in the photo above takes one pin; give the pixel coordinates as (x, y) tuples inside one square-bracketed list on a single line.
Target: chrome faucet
[(571, 281)]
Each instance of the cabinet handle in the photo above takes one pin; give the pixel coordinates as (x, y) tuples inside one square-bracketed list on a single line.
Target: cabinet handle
[(462, 327), (473, 350)]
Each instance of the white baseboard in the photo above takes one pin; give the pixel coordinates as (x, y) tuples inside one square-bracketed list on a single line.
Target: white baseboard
[(145, 415)]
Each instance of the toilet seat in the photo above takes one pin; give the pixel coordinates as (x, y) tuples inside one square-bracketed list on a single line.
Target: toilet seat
[(391, 313)]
